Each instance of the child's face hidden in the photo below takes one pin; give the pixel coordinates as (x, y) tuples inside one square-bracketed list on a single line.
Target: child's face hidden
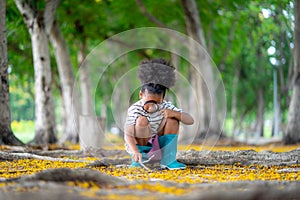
[(146, 97)]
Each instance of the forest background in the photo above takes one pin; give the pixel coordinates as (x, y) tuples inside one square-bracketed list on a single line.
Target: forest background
[(250, 42)]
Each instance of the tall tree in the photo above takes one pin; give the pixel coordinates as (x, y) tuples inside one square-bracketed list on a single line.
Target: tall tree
[(90, 133), (82, 31), (6, 134), (259, 125), (39, 23), (292, 134), (67, 80), (203, 82)]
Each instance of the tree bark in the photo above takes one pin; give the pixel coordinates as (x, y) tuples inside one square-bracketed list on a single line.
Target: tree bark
[(292, 134), (6, 134), (90, 133), (85, 81), (21, 156), (67, 80), (259, 127), (201, 75), (234, 100), (284, 89), (39, 25)]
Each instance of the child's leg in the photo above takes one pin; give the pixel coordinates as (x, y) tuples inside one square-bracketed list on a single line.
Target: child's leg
[(168, 143), (142, 131), (168, 126), (171, 126), (142, 135)]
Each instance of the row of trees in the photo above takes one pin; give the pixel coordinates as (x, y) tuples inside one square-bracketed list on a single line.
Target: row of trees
[(235, 34)]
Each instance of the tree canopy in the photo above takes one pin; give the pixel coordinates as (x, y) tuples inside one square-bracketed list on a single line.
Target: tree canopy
[(246, 40)]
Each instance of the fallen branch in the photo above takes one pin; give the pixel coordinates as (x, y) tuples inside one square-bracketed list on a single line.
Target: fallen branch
[(108, 162), (59, 153), (66, 174), (80, 174), (17, 156)]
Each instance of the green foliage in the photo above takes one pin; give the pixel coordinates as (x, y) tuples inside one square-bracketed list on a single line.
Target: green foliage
[(237, 35), (23, 129), (21, 99)]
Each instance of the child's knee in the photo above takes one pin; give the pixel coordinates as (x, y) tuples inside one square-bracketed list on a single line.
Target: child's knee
[(142, 121), (171, 126), (172, 122)]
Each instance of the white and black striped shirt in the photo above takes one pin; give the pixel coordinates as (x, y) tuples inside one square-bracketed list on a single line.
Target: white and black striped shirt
[(154, 119)]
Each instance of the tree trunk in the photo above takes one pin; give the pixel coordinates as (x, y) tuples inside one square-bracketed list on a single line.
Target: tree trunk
[(284, 87), (67, 80), (90, 133), (45, 130), (202, 77), (6, 134), (85, 81), (259, 127), (39, 25), (292, 134), (235, 100), (277, 115), (182, 91), (283, 92)]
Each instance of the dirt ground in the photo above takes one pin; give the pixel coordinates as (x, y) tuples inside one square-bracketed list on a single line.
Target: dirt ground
[(28, 173)]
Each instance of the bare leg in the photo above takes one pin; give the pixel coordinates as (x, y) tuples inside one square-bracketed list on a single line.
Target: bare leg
[(168, 145), (161, 128), (142, 131), (169, 126)]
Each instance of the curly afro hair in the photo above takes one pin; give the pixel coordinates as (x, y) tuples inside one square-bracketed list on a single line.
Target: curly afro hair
[(157, 72)]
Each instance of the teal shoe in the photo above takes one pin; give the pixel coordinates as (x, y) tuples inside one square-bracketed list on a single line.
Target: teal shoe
[(168, 145), (143, 150), (174, 165), (134, 164)]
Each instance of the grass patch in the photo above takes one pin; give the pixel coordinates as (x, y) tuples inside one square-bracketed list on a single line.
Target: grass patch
[(24, 130)]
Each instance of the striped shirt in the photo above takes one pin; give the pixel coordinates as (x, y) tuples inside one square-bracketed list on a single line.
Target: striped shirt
[(154, 119)]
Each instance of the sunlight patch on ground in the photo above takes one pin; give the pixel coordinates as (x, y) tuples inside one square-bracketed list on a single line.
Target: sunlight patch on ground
[(152, 181), (199, 174), (271, 147), (205, 174), (16, 168)]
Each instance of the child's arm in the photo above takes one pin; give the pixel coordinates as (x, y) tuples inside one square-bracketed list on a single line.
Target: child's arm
[(130, 141), (180, 116)]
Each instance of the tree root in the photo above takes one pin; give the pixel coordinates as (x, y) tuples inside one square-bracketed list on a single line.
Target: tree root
[(245, 157), (250, 190), (16, 156), (65, 174)]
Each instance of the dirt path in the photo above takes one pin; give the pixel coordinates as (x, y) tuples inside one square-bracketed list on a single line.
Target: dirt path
[(100, 180)]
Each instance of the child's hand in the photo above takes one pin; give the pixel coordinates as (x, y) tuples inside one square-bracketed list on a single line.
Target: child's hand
[(137, 157), (167, 113)]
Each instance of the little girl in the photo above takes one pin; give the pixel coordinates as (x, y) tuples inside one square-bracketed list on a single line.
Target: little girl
[(152, 118)]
